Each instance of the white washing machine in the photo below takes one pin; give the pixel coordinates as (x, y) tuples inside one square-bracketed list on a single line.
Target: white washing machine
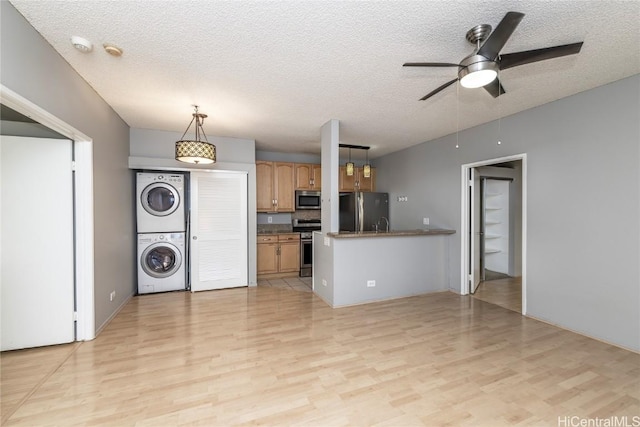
[(161, 262), (160, 202)]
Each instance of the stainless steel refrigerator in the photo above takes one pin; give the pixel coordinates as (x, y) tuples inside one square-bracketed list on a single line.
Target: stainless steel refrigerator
[(363, 211)]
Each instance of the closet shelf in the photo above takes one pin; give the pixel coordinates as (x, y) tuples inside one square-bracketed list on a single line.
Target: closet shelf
[(492, 222), (492, 236), (493, 208), (491, 251)]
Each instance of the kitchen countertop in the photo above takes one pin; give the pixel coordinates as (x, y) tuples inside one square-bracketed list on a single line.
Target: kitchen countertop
[(271, 232), (392, 233), (274, 229)]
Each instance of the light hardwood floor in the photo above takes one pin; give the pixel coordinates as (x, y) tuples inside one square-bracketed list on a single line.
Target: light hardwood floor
[(275, 356), (506, 292)]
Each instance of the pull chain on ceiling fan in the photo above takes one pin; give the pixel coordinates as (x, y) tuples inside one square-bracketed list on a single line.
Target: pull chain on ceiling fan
[(480, 69)]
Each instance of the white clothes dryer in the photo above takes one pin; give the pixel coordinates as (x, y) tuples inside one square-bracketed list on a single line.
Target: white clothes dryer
[(161, 262), (160, 202)]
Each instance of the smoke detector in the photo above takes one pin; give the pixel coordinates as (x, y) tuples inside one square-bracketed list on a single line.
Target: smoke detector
[(112, 49), (82, 44)]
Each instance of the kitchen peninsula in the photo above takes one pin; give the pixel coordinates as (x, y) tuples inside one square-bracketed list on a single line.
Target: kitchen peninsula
[(392, 233), (356, 268)]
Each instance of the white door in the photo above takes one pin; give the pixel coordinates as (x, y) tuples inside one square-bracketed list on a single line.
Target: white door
[(219, 237), (476, 229), (36, 242)]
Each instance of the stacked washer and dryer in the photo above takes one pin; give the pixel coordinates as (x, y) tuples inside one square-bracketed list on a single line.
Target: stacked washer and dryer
[(161, 225)]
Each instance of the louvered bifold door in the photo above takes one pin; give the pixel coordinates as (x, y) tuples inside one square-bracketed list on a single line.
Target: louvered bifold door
[(218, 230)]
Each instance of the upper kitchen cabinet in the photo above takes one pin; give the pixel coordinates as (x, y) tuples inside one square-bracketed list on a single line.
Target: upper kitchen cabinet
[(308, 176), (274, 186), (356, 182)]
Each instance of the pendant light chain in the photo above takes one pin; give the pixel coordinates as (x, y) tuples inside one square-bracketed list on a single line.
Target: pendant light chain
[(187, 129), (458, 114), (499, 109)]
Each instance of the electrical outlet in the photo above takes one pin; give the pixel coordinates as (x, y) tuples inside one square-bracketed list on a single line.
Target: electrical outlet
[(403, 198), (425, 221), (324, 282), (269, 219), (112, 295), (327, 241), (371, 283)]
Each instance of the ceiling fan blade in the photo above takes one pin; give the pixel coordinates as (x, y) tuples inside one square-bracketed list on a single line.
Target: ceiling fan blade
[(497, 39), (429, 64), (525, 57), (444, 86), (495, 88)]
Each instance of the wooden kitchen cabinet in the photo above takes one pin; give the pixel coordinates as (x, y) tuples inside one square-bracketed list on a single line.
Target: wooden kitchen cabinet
[(275, 186), (289, 253), (278, 255), (308, 176), (267, 254), (356, 182)]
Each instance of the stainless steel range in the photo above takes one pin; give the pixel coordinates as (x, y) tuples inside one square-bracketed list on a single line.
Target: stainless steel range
[(306, 227)]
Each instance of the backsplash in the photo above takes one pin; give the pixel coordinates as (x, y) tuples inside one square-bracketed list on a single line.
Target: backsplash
[(274, 228), (306, 214), (281, 223)]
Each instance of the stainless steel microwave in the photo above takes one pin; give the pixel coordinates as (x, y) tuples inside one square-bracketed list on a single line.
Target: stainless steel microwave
[(308, 199)]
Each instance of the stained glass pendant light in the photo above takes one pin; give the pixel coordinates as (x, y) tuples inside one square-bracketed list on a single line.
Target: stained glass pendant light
[(196, 151), (350, 165), (366, 169)]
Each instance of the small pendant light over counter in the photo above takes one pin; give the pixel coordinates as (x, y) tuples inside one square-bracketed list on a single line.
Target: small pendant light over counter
[(350, 165), (366, 169), (196, 151)]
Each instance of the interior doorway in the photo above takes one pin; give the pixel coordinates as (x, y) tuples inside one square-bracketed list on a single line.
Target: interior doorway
[(82, 210), (494, 231)]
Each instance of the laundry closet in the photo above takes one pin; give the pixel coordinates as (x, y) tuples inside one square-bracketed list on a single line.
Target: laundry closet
[(191, 230)]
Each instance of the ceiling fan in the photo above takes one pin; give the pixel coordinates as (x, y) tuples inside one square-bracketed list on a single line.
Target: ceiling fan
[(480, 69)]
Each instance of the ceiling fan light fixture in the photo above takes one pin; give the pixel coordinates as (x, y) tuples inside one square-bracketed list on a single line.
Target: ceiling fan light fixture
[(478, 74), (196, 151)]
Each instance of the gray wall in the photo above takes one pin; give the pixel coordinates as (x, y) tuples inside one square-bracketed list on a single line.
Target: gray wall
[(583, 195), (33, 69), (401, 266), (33, 130), (149, 143)]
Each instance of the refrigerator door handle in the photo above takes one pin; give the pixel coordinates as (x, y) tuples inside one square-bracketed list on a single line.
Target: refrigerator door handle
[(360, 201)]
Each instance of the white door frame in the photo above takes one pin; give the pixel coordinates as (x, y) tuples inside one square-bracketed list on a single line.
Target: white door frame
[(465, 274), (83, 194)]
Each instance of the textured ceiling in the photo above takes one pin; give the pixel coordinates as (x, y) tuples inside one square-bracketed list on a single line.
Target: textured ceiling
[(276, 71)]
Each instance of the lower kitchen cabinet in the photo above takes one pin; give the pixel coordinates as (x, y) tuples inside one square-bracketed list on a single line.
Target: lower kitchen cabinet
[(278, 255)]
